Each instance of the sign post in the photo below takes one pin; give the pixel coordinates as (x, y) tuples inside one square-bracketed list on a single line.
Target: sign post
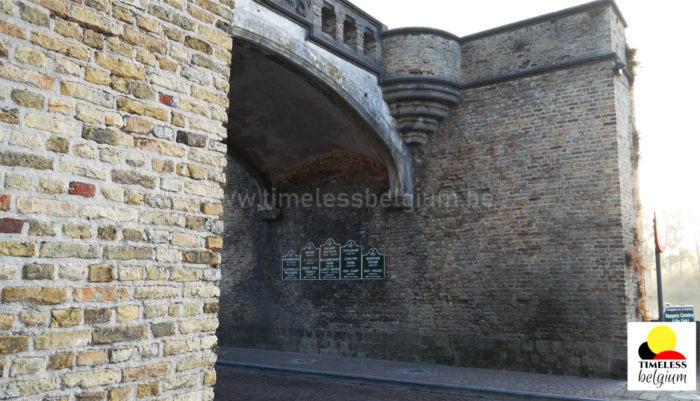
[(679, 313), (661, 236)]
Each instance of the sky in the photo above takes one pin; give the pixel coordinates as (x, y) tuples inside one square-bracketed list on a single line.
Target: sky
[(667, 87)]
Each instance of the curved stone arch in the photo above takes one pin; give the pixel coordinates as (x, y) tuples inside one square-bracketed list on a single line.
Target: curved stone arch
[(358, 88)]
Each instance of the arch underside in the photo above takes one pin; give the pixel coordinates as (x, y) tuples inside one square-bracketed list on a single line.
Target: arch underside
[(286, 112)]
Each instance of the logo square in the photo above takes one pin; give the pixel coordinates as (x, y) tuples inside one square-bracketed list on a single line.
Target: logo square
[(661, 356)]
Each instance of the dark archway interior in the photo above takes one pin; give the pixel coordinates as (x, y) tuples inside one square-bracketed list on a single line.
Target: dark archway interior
[(281, 119)]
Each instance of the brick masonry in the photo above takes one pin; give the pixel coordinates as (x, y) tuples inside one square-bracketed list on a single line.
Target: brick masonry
[(530, 266), (110, 166), (114, 177)]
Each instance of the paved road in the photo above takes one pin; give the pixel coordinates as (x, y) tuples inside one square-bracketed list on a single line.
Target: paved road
[(243, 386)]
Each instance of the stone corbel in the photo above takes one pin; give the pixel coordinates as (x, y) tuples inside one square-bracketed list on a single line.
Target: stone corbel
[(419, 105)]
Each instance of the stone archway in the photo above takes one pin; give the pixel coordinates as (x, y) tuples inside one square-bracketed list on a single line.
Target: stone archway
[(368, 127)]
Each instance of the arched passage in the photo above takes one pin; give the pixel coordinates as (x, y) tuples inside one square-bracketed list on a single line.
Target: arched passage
[(286, 111)]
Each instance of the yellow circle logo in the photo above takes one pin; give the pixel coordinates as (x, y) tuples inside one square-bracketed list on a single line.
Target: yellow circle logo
[(662, 339)]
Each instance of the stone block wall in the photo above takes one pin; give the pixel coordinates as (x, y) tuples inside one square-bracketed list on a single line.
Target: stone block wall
[(543, 42), (112, 122), (421, 53), (524, 266)]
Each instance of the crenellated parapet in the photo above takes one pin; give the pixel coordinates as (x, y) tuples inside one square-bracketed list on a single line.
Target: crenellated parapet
[(337, 25), (421, 71)]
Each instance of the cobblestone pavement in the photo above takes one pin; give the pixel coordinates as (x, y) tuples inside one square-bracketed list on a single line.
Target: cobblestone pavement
[(243, 386), (566, 386)]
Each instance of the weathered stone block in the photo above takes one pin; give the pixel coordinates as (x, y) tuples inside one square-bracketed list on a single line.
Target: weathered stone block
[(51, 187), (13, 344), (88, 94), (156, 292), (211, 307), (133, 234), (94, 39), (215, 243), (11, 226), (34, 15), (61, 46), (25, 160), (32, 318), (101, 274), (6, 322), (216, 37), (21, 249), (98, 315), (26, 98), (65, 318), (5, 201), (127, 253), (59, 361), (134, 107), (9, 116), (17, 182), (148, 389), (26, 366), (90, 358), (101, 135), (199, 325), (79, 231), (121, 214), (62, 340), (38, 272), (101, 294), (172, 17), (42, 229), (163, 329), (146, 372), (127, 314), (92, 396), (120, 354), (107, 233), (14, 73), (149, 42), (95, 21), (68, 29), (97, 76), (138, 126), (89, 114), (91, 378), (133, 178), (69, 250), (196, 362), (111, 335), (58, 144), (121, 394), (27, 387)]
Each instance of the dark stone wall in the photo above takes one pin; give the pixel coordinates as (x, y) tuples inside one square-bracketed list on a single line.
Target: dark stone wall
[(525, 270)]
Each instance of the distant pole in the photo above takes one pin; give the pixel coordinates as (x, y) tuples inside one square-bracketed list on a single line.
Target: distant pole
[(661, 239), (659, 286)]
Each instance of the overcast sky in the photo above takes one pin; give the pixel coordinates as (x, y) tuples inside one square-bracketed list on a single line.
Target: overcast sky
[(666, 34)]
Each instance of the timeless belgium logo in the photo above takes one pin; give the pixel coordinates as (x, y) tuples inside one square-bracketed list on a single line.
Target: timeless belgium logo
[(661, 356)]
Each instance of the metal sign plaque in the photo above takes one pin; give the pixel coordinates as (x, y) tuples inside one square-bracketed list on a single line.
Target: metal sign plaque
[(291, 266), (309, 262), (679, 313), (351, 261), (373, 265), (333, 262), (330, 261)]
